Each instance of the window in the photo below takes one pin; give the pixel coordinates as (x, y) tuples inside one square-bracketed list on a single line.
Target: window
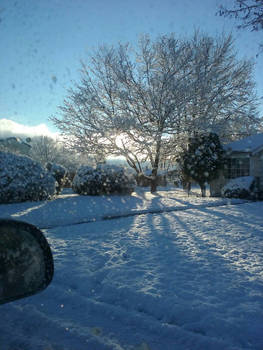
[(237, 167)]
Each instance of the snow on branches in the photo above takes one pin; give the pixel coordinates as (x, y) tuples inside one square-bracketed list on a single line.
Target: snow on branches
[(137, 102)]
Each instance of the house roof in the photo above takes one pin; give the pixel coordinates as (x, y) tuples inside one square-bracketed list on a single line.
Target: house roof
[(15, 143), (250, 144)]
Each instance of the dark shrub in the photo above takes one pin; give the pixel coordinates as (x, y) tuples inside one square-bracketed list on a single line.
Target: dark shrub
[(59, 173)]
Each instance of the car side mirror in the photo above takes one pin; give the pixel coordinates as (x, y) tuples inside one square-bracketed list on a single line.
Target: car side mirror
[(26, 263)]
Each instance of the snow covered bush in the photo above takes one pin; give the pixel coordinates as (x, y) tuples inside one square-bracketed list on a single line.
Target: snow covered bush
[(22, 179), (104, 179), (59, 173), (240, 187)]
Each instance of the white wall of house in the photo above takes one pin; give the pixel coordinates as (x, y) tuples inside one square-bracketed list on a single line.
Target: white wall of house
[(257, 167), (217, 184)]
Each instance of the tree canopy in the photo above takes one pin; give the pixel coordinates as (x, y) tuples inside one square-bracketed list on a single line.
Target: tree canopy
[(139, 102)]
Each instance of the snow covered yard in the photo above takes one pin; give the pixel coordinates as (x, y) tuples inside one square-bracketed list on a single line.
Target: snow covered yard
[(185, 279), (70, 208)]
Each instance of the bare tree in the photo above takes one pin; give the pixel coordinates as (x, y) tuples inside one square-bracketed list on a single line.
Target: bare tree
[(44, 149), (249, 12), (221, 91), (137, 103), (127, 101)]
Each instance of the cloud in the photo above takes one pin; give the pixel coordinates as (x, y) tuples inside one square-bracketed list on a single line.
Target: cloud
[(10, 128)]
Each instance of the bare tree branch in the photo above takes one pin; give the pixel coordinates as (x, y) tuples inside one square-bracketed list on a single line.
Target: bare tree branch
[(136, 102), (249, 12)]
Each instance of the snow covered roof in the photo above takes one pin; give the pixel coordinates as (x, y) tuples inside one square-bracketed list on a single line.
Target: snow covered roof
[(14, 140), (251, 144)]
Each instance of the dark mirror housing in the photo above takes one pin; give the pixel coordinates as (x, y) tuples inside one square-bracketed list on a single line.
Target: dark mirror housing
[(26, 262)]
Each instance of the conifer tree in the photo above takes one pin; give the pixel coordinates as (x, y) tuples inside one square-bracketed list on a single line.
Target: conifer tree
[(202, 159)]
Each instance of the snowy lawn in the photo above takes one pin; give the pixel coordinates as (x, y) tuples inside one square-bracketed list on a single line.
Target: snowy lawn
[(71, 208), (185, 279)]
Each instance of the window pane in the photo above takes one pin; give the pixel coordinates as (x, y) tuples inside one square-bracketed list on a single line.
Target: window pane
[(237, 167)]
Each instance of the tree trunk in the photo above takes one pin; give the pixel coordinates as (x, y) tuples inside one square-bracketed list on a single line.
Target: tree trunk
[(156, 165), (203, 189), (155, 170), (188, 187), (154, 185), (186, 183)]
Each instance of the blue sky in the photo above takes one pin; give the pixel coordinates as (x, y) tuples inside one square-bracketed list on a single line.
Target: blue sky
[(43, 41)]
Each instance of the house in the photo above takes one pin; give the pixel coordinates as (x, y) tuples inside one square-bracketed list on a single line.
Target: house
[(16, 145), (244, 158)]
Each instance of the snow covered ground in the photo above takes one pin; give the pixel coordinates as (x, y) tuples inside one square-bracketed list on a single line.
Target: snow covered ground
[(184, 274)]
